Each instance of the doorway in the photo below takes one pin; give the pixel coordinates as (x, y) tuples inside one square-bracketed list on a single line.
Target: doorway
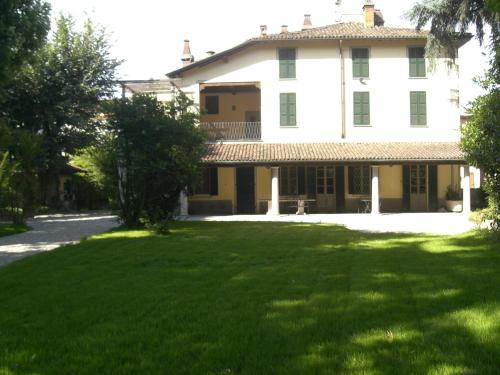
[(245, 190), (418, 187)]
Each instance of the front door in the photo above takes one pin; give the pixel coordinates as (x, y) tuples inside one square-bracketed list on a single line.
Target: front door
[(325, 189), (418, 187), (245, 190)]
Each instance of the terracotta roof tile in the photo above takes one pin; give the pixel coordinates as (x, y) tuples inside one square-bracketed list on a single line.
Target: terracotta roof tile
[(348, 30), (334, 152)]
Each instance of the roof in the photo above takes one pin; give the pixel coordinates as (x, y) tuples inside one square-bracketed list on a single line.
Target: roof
[(395, 152), (337, 31), (147, 86)]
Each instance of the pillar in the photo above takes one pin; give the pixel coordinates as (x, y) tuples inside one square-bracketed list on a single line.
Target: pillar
[(275, 192), (183, 203), (375, 191), (465, 188)]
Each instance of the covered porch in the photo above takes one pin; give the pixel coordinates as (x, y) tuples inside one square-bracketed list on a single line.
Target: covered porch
[(330, 178)]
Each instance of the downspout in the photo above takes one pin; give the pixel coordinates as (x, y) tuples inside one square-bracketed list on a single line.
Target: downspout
[(342, 89)]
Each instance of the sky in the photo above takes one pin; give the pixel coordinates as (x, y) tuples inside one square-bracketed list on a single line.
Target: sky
[(149, 34)]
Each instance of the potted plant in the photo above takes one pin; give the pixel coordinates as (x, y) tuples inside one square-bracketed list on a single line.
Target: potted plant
[(453, 199)]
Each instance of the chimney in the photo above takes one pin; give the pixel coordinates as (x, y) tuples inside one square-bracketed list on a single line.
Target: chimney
[(284, 29), (187, 57), (263, 30), (369, 13), (307, 22)]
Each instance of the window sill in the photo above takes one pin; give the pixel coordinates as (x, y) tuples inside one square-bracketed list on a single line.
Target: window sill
[(360, 78), (362, 126), (417, 77), (419, 126), (288, 79), (288, 127)]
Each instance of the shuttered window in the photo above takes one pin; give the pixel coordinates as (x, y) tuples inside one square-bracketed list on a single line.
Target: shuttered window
[(360, 63), (287, 58), (416, 56), (288, 115), (361, 108), (208, 181), (418, 108)]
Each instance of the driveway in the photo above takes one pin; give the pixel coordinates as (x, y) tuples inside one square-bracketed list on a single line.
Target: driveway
[(51, 231), (429, 222)]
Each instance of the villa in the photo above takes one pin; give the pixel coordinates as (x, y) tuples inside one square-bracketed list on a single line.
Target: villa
[(349, 117)]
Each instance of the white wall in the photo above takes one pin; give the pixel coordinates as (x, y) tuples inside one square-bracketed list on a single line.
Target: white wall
[(317, 87)]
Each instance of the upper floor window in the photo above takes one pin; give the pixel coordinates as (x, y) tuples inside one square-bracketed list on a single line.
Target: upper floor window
[(361, 108), (288, 112), (416, 56), (359, 180), (418, 108), (212, 104), (287, 57), (360, 63)]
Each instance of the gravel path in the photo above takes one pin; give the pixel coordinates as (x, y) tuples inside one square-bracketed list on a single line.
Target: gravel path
[(51, 231)]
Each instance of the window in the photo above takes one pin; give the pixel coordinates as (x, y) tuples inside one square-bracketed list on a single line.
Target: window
[(418, 108), (287, 57), (208, 182), (416, 56), (418, 183), (288, 109), (360, 64), (325, 180), (359, 180), (212, 105), (292, 180), (361, 108)]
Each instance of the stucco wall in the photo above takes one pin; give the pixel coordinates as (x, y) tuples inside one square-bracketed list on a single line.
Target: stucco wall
[(318, 92)]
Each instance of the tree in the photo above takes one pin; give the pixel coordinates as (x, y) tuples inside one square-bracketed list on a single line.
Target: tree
[(481, 143), (156, 149), (451, 19), (24, 25), (19, 188), (59, 95)]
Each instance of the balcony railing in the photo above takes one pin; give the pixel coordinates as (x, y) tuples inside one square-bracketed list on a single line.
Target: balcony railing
[(232, 131)]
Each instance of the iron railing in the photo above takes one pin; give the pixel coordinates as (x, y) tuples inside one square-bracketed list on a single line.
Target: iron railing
[(232, 131)]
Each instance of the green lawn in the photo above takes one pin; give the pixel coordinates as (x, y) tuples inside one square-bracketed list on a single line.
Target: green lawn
[(8, 229), (254, 298)]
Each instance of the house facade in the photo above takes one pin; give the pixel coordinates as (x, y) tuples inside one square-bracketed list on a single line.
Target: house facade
[(342, 118)]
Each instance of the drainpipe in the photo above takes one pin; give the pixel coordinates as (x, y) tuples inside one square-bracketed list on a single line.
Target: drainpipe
[(342, 89)]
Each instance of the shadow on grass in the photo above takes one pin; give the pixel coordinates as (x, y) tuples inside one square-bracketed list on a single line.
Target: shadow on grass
[(252, 298)]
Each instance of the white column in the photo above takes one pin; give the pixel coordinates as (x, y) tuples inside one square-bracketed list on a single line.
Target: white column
[(375, 192), (275, 192), (465, 188), (183, 203)]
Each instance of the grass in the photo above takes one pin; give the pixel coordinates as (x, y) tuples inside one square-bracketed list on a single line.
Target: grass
[(254, 298), (8, 229)]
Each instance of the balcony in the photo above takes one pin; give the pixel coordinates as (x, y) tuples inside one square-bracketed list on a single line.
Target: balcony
[(232, 131)]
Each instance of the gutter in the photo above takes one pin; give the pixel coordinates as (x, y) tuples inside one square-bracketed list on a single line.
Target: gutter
[(342, 89)]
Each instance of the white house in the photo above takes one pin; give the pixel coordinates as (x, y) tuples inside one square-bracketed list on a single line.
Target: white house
[(340, 118)]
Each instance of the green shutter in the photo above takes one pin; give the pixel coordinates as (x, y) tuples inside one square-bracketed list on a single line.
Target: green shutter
[(418, 108), (288, 114), (360, 63), (287, 62), (406, 187), (361, 108), (417, 61), (214, 181)]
